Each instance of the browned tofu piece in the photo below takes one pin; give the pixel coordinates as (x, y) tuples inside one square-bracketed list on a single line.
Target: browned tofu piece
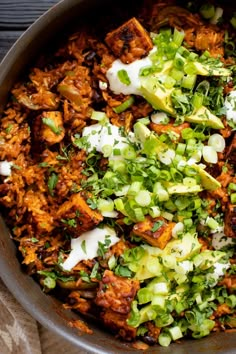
[(117, 324), (48, 128), (76, 215), (157, 232), (230, 221), (130, 41), (116, 293)]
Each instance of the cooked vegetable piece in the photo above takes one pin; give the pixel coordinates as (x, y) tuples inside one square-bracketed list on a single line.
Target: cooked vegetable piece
[(157, 232), (76, 215), (130, 41)]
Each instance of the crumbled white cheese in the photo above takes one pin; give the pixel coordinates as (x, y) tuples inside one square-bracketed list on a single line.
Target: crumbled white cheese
[(108, 135), (230, 106), (220, 268), (5, 168), (219, 240), (133, 71), (86, 245)]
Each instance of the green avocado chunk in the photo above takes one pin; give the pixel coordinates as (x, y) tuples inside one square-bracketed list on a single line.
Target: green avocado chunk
[(179, 188), (156, 94), (206, 69), (205, 117), (208, 182)]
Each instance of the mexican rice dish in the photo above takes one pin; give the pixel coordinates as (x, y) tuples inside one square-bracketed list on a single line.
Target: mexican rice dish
[(117, 173)]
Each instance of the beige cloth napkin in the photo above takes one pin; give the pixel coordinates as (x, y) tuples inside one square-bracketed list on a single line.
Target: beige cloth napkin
[(21, 334)]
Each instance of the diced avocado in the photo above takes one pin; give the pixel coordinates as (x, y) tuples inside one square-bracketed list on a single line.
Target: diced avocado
[(179, 188), (183, 248), (149, 266), (207, 259), (205, 117), (156, 94), (141, 132), (152, 145), (207, 70), (167, 66), (208, 182)]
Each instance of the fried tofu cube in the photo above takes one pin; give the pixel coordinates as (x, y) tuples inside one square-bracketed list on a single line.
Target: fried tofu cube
[(116, 293), (52, 130), (129, 41), (76, 215), (157, 232), (117, 324)]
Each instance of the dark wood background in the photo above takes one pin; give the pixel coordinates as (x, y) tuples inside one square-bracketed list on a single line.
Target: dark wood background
[(16, 16)]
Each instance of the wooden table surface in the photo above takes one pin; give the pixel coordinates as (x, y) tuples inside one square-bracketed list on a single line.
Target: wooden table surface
[(16, 16)]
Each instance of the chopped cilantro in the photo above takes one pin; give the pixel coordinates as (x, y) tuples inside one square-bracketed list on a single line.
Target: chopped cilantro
[(52, 182), (91, 203), (157, 225)]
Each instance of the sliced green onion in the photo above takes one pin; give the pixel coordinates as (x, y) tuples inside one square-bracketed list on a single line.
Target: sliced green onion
[(165, 175), (134, 188), (105, 205), (177, 229), (123, 77), (178, 61), (190, 68), (169, 82), (144, 120), (178, 37), (166, 157), (97, 115), (175, 332), (180, 149), (158, 300), (207, 11), (217, 16), (187, 133), (233, 21), (119, 205), (197, 100), (212, 223), (233, 198), (143, 198), (209, 154), (154, 211), (184, 52), (189, 81), (107, 150), (139, 215), (217, 142), (161, 288), (176, 74), (129, 153), (232, 186), (123, 106), (161, 192), (164, 339), (203, 87), (231, 301), (166, 215)]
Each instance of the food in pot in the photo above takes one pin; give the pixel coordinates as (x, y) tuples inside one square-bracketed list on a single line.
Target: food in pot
[(118, 173)]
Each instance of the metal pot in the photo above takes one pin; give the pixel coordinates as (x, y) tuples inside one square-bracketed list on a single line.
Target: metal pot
[(44, 308)]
